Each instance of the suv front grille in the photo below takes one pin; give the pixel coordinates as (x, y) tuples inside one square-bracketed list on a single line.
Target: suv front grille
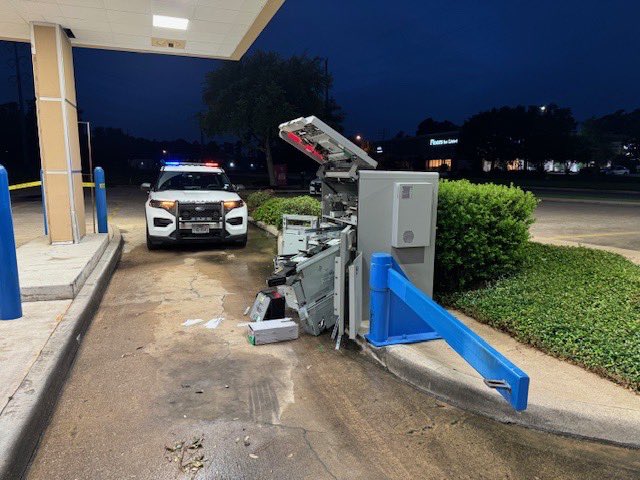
[(200, 212)]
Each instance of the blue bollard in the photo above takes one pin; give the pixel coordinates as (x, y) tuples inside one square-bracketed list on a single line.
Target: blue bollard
[(44, 203), (101, 200), (10, 304), (380, 297)]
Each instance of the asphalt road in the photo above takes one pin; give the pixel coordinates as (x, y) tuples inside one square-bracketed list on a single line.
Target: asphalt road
[(142, 382), (606, 224)]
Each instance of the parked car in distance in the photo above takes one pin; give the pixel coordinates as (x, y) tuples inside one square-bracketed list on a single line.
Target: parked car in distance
[(616, 170), (315, 187)]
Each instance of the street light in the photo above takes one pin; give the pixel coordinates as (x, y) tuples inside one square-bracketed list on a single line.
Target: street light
[(543, 108), (358, 137)]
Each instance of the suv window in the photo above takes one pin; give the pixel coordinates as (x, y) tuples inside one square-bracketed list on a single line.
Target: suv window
[(192, 181)]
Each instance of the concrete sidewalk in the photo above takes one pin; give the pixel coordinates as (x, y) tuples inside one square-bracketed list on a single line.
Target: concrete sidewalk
[(61, 286), (563, 398)]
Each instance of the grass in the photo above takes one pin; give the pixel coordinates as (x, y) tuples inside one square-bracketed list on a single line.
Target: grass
[(574, 303)]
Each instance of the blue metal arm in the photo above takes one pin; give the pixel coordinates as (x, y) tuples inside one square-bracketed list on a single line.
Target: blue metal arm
[(390, 288)]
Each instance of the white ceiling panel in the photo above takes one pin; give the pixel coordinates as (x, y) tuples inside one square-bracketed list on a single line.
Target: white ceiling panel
[(215, 28), (214, 14), (136, 6), (84, 13), (132, 29), (82, 3)]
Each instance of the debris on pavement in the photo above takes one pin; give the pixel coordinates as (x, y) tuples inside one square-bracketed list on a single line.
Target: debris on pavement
[(190, 322), (187, 455), (246, 441), (253, 455), (214, 322), (247, 310), (271, 331)]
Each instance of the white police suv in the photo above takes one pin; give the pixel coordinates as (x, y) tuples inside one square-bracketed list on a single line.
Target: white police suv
[(194, 202)]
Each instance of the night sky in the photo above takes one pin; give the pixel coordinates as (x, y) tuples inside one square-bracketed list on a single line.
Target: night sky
[(394, 63)]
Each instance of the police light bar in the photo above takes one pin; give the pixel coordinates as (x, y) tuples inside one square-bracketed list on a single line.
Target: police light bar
[(323, 144)]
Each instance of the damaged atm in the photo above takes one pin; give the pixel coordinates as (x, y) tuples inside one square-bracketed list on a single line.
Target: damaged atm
[(364, 210)]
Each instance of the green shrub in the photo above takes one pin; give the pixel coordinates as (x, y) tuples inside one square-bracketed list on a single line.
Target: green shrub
[(481, 232), (272, 210), (574, 303), (255, 199)]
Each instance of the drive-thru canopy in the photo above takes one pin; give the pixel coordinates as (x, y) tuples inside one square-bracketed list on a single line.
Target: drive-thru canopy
[(222, 29)]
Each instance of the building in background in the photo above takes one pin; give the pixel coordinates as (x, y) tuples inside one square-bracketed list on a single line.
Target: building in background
[(437, 152)]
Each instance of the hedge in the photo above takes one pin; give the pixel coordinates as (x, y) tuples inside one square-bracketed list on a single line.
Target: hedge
[(575, 303), (272, 210), (255, 199), (482, 231)]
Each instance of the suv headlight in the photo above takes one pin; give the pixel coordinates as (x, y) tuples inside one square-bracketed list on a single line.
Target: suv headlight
[(231, 204), (168, 205)]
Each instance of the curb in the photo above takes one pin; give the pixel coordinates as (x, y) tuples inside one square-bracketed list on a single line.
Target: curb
[(26, 416), (591, 201), (270, 229), (64, 291), (450, 386)]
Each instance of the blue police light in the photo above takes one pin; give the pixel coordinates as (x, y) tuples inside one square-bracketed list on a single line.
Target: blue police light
[(172, 164)]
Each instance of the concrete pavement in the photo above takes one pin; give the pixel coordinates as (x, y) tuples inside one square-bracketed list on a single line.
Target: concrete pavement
[(38, 349), (143, 381)]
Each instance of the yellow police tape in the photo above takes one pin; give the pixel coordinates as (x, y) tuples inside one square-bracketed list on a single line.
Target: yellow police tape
[(25, 185), (20, 186)]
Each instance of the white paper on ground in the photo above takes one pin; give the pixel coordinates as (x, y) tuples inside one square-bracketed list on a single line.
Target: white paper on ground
[(188, 323), (213, 323)]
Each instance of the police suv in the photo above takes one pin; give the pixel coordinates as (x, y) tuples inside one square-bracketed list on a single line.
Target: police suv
[(194, 202)]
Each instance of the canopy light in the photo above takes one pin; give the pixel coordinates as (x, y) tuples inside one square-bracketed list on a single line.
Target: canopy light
[(170, 22)]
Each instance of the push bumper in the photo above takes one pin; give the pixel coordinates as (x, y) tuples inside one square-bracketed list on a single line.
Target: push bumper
[(217, 236)]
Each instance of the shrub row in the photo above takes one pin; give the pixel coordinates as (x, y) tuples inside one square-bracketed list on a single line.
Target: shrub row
[(271, 211), (257, 198), (482, 231)]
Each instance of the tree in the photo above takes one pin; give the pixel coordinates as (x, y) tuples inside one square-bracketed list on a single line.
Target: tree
[(250, 98), (530, 134), (430, 126)]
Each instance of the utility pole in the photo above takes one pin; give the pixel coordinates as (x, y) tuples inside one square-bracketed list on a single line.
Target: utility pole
[(21, 120)]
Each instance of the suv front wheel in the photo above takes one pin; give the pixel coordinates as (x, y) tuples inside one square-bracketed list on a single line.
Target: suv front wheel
[(242, 242), (151, 245)]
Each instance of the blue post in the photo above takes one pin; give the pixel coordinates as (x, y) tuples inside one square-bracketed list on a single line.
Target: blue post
[(101, 200), (44, 203), (10, 304), (379, 302)]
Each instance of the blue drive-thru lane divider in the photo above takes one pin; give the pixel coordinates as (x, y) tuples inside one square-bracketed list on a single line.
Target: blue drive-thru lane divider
[(10, 302), (402, 313)]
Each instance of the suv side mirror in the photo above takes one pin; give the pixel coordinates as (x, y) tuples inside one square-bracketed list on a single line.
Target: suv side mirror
[(145, 187)]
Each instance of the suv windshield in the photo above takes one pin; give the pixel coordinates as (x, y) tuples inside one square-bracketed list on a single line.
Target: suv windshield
[(193, 181)]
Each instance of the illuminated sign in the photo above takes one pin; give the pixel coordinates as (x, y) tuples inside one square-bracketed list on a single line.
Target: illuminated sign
[(445, 141)]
